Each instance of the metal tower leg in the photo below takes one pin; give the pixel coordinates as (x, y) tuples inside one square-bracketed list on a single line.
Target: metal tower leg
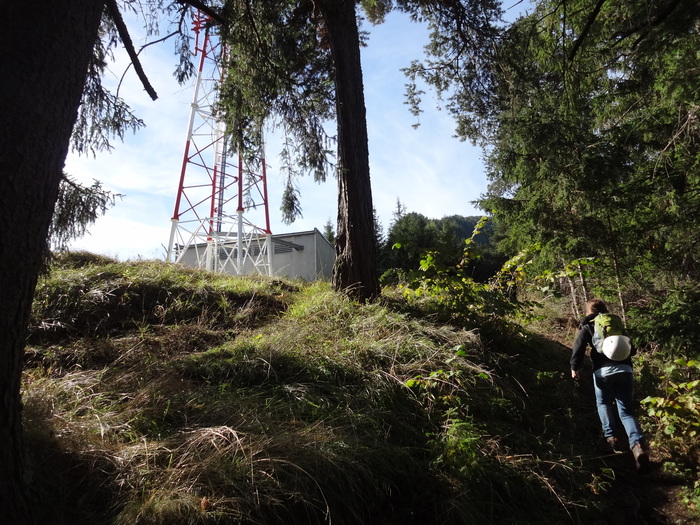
[(213, 225)]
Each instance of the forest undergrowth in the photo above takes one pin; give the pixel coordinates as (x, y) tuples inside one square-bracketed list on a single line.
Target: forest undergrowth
[(155, 394)]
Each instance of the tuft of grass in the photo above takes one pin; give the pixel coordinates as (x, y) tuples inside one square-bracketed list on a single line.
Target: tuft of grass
[(99, 299)]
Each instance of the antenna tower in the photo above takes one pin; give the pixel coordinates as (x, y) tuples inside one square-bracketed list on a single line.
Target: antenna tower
[(221, 220)]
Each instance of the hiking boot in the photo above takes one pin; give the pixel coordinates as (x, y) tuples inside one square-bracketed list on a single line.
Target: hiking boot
[(641, 459), (607, 446), (612, 443)]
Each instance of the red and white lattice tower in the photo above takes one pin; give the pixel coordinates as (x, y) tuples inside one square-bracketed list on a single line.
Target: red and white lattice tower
[(221, 220)]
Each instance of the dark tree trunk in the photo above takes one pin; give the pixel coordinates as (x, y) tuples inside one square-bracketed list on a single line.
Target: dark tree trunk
[(355, 270), (45, 46)]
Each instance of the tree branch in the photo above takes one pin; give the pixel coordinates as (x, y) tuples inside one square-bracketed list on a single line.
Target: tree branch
[(586, 29), (138, 53), (129, 46), (205, 9), (652, 22)]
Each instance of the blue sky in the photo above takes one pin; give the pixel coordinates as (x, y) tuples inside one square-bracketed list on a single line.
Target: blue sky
[(429, 170)]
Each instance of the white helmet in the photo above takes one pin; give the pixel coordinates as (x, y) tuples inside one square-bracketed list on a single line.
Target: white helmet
[(617, 347)]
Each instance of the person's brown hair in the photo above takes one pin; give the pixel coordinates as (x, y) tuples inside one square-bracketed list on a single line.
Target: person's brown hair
[(596, 306)]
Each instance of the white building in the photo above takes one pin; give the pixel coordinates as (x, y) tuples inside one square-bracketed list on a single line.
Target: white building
[(303, 255)]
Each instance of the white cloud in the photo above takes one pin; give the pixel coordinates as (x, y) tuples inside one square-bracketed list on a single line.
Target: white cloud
[(125, 238)]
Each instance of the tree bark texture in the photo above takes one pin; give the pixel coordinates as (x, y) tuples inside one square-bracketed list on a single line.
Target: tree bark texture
[(45, 47), (355, 270)]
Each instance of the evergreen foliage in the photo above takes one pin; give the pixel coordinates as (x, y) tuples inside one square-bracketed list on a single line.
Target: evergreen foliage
[(102, 116), (76, 208), (412, 235), (328, 231), (279, 68), (592, 151)]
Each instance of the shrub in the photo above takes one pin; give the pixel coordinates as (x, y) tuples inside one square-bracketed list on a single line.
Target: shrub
[(670, 322), (677, 409)]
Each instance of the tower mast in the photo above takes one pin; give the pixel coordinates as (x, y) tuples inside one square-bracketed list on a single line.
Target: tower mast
[(221, 220)]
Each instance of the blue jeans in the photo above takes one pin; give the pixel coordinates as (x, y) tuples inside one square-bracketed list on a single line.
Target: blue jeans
[(617, 389)]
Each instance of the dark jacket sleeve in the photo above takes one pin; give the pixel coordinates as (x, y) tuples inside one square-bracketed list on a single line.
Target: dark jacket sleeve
[(583, 340)]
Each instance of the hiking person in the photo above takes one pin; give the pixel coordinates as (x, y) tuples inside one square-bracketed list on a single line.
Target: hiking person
[(612, 378)]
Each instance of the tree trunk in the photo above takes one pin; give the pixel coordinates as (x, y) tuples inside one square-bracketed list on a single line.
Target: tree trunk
[(574, 298), (355, 270), (584, 283), (45, 47)]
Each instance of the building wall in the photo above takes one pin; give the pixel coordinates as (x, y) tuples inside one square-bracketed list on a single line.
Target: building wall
[(314, 261), (304, 255)]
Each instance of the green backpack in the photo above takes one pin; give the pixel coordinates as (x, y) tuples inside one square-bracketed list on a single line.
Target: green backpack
[(609, 337)]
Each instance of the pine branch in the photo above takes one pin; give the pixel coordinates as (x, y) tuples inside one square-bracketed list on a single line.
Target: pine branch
[(129, 46), (139, 52), (205, 9), (586, 29)]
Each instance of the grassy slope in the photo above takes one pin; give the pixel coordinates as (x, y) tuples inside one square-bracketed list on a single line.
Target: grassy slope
[(161, 395)]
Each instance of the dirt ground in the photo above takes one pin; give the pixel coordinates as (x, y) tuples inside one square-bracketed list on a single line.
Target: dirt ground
[(653, 498)]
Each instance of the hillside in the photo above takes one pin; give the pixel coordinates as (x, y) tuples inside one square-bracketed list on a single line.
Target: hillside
[(160, 395)]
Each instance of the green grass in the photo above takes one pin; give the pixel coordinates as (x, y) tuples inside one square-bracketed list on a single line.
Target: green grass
[(160, 395)]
